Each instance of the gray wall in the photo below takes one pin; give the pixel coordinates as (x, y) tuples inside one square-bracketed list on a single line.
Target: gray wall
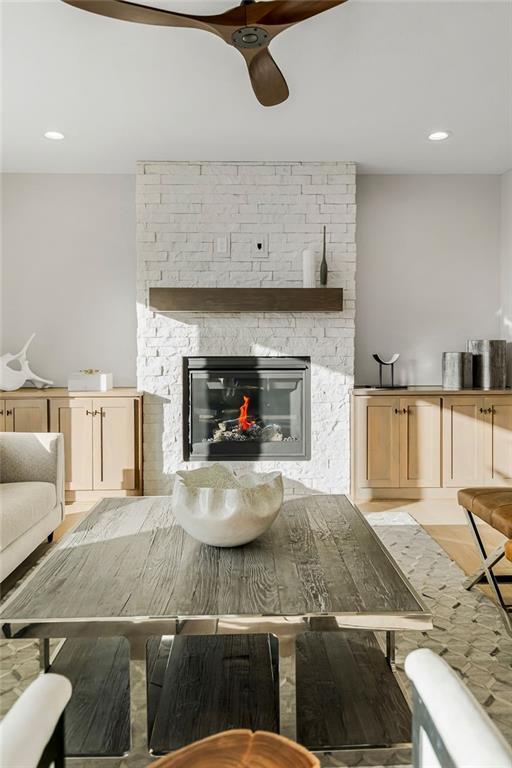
[(428, 264), (428, 272), (506, 264), (68, 245)]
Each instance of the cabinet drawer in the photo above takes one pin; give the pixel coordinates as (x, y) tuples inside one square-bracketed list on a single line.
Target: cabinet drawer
[(30, 415)]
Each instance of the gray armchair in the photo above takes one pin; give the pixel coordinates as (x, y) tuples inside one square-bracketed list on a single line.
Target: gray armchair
[(31, 493)]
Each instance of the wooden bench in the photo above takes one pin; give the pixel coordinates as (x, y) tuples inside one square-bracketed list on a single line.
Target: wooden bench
[(494, 506)]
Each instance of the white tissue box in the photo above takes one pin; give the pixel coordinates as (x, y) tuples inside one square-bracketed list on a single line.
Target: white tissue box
[(90, 382)]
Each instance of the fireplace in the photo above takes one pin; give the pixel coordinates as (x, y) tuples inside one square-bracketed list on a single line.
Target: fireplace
[(246, 408)]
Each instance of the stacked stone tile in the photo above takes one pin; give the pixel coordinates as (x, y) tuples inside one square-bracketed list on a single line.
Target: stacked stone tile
[(182, 210)]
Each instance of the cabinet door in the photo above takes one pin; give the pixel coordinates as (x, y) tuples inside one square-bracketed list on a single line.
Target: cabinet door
[(498, 440), (2, 415), (420, 442), (462, 441), (377, 435), (73, 417), (26, 415), (115, 465)]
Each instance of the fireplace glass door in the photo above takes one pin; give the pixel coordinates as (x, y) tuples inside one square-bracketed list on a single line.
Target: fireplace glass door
[(247, 408)]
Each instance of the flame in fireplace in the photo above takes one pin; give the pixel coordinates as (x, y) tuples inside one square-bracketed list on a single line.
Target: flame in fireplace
[(244, 422)]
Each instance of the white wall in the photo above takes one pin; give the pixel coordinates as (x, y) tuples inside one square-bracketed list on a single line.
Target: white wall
[(428, 270), (506, 264), (68, 247)]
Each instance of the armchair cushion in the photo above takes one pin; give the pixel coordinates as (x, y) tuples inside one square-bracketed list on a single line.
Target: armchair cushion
[(23, 505), (33, 457)]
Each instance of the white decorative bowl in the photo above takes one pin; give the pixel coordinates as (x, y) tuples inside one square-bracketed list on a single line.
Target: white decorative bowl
[(223, 510)]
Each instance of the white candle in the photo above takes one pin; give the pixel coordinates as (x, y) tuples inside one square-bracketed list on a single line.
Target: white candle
[(308, 268)]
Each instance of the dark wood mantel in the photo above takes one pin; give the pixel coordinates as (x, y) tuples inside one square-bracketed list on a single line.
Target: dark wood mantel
[(246, 299)]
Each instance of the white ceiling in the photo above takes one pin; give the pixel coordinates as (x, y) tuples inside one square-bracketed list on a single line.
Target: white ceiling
[(368, 82)]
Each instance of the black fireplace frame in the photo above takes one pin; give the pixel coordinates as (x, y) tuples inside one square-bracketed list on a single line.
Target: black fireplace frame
[(247, 451)]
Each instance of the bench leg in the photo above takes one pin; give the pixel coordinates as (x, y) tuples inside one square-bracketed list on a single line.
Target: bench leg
[(44, 654), (287, 686), (390, 649), (488, 562)]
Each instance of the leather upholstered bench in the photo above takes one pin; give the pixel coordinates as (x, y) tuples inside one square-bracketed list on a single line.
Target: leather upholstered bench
[(494, 506)]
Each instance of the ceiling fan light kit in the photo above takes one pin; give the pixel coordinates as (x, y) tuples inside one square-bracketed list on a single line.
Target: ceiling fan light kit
[(249, 27)]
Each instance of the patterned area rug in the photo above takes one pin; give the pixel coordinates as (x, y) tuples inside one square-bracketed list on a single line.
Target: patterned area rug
[(468, 634)]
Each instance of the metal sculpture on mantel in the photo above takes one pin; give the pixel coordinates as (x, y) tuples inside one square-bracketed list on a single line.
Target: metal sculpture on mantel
[(392, 360)]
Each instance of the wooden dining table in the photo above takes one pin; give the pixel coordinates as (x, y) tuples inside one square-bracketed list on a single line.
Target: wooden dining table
[(300, 605)]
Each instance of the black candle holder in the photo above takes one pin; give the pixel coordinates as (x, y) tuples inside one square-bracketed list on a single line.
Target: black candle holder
[(382, 363)]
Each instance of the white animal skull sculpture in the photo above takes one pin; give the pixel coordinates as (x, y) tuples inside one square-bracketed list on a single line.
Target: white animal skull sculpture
[(14, 378)]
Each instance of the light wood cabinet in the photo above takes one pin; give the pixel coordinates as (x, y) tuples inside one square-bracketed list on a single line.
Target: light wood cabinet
[(378, 446), (444, 442), (73, 417), (397, 442), (29, 415), (102, 436), (114, 452), (497, 413), (420, 437), (102, 442), (462, 441)]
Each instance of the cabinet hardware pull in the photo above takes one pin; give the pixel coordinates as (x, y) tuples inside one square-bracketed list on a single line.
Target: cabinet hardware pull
[(405, 410), (8, 413), (1, 413), (482, 410), (397, 411), (89, 413), (97, 413)]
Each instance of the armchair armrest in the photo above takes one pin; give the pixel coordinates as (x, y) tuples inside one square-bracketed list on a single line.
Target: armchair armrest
[(28, 726), (449, 726), (33, 457)]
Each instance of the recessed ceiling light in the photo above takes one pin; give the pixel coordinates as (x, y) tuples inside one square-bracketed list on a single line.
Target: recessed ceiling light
[(439, 135), (54, 135)]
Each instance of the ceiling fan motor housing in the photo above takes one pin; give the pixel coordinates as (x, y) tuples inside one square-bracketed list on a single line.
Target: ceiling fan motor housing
[(250, 37)]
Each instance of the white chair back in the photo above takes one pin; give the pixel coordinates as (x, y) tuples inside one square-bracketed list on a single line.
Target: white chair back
[(29, 726), (450, 728)]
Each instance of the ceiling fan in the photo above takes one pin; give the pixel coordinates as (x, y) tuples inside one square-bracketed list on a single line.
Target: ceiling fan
[(250, 28)]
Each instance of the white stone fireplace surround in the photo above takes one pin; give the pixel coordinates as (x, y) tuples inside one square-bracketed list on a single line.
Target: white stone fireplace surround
[(182, 211)]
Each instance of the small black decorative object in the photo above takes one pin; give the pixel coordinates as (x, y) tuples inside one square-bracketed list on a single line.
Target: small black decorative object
[(392, 360), (323, 265)]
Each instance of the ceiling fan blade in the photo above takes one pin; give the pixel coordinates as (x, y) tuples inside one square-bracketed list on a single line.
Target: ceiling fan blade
[(144, 14), (267, 79), (287, 12)]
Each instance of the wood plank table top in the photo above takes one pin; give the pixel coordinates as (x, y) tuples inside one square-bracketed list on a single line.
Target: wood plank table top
[(129, 559)]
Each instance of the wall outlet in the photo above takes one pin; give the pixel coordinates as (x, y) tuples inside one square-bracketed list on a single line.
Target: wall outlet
[(222, 245), (260, 246)]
